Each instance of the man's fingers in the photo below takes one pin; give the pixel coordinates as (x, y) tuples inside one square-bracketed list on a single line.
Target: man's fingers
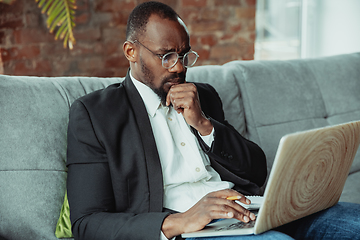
[(230, 213), (224, 206), (242, 199), (214, 206), (180, 91), (185, 87), (184, 103), (221, 214), (229, 196), (168, 100)]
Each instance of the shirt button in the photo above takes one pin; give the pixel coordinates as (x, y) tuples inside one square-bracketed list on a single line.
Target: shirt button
[(197, 169), (170, 119), (182, 144)]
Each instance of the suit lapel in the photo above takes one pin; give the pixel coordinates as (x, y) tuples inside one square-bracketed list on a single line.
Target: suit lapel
[(147, 137)]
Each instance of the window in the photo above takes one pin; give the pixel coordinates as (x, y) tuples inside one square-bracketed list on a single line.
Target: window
[(278, 29), (290, 29)]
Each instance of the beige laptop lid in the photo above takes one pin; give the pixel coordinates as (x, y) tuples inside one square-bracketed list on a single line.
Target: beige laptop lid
[(308, 174)]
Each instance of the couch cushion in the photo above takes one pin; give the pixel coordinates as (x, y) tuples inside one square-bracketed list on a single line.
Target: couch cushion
[(351, 192), (29, 203), (33, 126), (282, 97), (222, 78)]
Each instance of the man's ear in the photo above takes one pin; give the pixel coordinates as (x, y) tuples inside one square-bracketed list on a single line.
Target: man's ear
[(130, 51)]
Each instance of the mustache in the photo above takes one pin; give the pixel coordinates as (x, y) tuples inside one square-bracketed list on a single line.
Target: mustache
[(179, 76)]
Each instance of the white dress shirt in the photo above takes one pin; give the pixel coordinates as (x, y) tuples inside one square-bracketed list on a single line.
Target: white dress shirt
[(187, 174)]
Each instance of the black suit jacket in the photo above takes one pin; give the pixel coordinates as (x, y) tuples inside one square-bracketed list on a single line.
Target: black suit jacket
[(115, 186)]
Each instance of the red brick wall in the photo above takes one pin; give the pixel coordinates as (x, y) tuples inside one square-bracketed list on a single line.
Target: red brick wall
[(221, 31)]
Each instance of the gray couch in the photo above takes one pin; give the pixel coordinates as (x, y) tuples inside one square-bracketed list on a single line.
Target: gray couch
[(263, 99)]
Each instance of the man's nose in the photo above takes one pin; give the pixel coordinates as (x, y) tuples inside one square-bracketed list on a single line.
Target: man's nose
[(178, 67)]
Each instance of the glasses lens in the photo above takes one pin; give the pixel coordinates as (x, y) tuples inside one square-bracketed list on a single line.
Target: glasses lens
[(190, 59), (169, 60)]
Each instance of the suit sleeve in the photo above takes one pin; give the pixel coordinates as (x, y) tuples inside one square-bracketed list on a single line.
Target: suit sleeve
[(93, 211), (235, 158)]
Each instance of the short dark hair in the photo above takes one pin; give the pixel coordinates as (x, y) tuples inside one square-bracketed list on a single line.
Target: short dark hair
[(139, 17)]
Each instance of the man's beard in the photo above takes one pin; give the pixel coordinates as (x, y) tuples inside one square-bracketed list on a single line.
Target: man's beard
[(160, 91)]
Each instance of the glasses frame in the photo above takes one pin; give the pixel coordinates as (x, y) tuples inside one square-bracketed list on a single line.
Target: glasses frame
[(162, 56)]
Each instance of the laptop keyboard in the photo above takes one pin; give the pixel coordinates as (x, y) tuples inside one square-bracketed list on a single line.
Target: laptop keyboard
[(238, 225)]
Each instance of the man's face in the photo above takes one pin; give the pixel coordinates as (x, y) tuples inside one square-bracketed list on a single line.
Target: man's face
[(161, 36)]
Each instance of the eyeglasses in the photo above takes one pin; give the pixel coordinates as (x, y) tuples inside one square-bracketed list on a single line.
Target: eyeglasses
[(170, 59)]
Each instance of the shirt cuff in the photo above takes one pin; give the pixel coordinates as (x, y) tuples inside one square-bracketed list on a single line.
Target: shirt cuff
[(163, 237), (208, 139)]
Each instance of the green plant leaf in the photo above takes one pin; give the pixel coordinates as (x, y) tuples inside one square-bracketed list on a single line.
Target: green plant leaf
[(61, 15), (41, 3)]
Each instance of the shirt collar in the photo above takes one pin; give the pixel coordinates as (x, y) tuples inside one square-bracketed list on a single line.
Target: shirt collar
[(151, 99)]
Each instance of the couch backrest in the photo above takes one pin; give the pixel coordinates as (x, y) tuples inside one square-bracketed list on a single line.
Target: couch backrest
[(281, 97), (225, 80), (33, 126), (263, 100)]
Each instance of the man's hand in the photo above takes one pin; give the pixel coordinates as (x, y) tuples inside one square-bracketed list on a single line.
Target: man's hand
[(184, 98), (213, 206)]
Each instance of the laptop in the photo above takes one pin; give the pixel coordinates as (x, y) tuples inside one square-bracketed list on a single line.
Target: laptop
[(308, 175)]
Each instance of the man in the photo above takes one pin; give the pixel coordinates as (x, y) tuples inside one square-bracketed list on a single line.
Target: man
[(153, 157)]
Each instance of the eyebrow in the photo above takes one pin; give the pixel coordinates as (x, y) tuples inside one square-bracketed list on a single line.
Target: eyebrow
[(166, 50)]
